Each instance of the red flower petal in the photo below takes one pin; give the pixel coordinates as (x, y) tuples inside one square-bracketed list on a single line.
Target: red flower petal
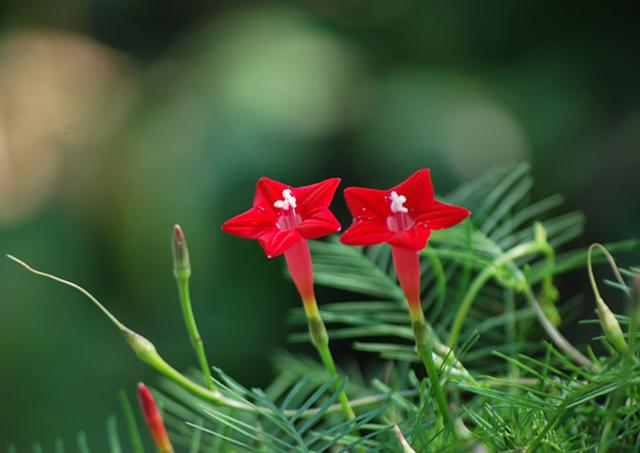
[(250, 224), (318, 224), (418, 189), (414, 238), (439, 215), (275, 242), (268, 191), (366, 233), (315, 197), (367, 204)]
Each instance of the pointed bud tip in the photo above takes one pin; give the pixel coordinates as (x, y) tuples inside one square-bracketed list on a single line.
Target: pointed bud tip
[(178, 233), (181, 264), (147, 403)]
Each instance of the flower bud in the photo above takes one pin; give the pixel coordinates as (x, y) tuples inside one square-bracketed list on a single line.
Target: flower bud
[(143, 348), (181, 263), (612, 330), (154, 420)]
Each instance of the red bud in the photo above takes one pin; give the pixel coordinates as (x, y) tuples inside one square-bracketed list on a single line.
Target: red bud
[(154, 420)]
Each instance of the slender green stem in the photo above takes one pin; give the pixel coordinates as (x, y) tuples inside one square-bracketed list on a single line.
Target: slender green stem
[(159, 364), (558, 339), (182, 273), (320, 339), (424, 345), (86, 293), (461, 314), (484, 276), (511, 331), (527, 248), (612, 264), (327, 359), (192, 328), (146, 351)]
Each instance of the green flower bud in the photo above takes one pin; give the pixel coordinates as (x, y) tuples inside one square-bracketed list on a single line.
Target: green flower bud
[(143, 348), (181, 263), (612, 330)]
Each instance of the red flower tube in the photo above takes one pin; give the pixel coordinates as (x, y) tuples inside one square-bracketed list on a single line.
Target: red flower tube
[(154, 420), (403, 217), (282, 219)]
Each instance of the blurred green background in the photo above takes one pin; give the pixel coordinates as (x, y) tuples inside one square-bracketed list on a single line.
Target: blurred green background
[(120, 118)]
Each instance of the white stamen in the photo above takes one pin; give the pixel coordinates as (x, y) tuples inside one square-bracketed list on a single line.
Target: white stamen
[(289, 201), (397, 203)]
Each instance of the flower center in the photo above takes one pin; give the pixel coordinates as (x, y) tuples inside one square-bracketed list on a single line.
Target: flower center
[(400, 219), (288, 219), (397, 203), (288, 201)]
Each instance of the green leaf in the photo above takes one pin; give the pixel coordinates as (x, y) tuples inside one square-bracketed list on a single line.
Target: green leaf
[(132, 426)]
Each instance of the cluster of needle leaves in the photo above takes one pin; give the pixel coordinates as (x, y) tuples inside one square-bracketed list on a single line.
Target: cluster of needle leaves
[(514, 382)]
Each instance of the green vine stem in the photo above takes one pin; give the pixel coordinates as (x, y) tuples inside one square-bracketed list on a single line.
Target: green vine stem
[(146, 351), (612, 264), (182, 273), (327, 359), (424, 345), (538, 245), (79, 288), (608, 321), (320, 340), (558, 339)]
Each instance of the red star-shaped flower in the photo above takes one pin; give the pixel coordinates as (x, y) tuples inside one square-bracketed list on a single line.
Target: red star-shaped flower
[(282, 219), (283, 215), (402, 216)]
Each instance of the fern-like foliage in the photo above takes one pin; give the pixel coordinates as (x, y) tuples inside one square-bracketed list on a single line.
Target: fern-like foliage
[(502, 219), (488, 287)]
